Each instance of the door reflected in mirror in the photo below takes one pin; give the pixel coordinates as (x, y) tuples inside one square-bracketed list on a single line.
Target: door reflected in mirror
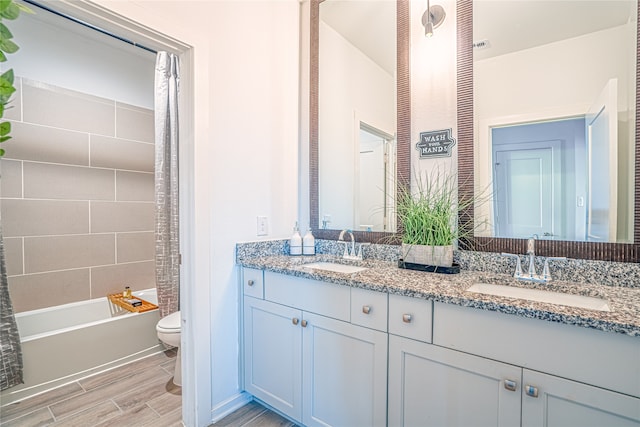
[(554, 115), (357, 115)]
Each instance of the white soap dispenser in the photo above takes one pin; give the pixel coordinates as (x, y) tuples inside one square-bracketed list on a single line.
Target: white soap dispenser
[(295, 244), (309, 243)]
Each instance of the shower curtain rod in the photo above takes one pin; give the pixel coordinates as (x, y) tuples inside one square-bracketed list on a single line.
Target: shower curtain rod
[(86, 24)]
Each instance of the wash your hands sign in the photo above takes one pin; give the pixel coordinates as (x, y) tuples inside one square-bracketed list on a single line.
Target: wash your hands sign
[(435, 143)]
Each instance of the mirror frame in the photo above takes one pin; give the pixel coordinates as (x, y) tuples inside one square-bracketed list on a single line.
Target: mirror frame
[(403, 112), (621, 252)]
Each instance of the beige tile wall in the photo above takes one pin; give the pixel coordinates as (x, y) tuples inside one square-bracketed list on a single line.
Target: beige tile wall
[(76, 197)]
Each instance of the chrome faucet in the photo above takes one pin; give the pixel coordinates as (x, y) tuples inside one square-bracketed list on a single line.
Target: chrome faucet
[(531, 251), (531, 275), (350, 254)]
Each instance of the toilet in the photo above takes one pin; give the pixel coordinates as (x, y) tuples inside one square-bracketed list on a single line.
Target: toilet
[(168, 329)]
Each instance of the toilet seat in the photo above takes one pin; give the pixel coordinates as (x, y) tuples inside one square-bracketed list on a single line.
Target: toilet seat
[(169, 324)]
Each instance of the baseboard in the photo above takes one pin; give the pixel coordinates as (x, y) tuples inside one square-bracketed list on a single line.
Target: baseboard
[(228, 406)]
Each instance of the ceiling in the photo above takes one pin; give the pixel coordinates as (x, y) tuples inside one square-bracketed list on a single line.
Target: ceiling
[(512, 25), (508, 25), (369, 25)]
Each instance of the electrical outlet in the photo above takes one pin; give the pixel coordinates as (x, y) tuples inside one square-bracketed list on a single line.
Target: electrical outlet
[(262, 226)]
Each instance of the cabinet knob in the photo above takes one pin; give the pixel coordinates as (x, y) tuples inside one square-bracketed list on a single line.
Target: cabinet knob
[(304, 323), (406, 318), (366, 309), (531, 390), (510, 385), (250, 282), (295, 320)]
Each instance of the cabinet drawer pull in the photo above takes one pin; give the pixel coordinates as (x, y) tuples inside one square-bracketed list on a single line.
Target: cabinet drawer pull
[(304, 323), (510, 385), (406, 318), (295, 320), (366, 309), (250, 282), (531, 390)]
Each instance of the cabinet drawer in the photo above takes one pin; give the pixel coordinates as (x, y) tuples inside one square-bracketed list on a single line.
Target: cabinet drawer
[(410, 317), (252, 282), (314, 296), (573, 352), (369, 309)]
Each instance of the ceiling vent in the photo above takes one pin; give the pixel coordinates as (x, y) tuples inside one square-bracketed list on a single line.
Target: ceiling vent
[(482, 44)]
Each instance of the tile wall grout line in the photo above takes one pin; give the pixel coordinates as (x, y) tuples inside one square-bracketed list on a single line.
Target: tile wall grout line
[(76, 234), (135, 141), (40, 199), (24, 258), (83, 268)]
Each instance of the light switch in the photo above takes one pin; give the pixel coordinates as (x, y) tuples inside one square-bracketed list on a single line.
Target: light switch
[(262, 226)]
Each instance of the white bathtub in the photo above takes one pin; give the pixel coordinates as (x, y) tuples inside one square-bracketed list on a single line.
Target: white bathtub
[(64, 343)]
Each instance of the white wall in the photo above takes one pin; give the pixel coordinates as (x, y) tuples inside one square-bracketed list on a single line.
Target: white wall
[(347, 77), (574, 70), (433, 84), (508, 89), (66, 54), (243, 69)]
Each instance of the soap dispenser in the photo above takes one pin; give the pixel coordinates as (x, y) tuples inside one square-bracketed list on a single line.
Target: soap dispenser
[(309, 243), (295, 244)]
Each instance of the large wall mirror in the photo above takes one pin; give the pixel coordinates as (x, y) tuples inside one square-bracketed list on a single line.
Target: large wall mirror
[(360, 116), (548, 123)]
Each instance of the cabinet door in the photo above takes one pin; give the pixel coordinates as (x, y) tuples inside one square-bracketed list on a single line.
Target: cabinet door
[(344, 374), (273, 347), (434, 386), (561, 402)]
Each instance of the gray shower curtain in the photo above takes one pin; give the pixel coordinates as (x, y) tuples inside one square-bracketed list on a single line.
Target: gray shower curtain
[(166, 183), (10, 350)]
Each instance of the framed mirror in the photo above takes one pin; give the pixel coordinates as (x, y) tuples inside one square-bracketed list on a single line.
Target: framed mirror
[(359, 120), (596, 226)]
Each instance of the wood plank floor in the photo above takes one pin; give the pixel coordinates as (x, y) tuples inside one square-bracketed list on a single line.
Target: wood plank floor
[(253, 415), (138, 394)]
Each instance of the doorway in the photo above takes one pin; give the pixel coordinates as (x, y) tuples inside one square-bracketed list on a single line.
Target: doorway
[(112, 19), (375, 163), (538, 179)]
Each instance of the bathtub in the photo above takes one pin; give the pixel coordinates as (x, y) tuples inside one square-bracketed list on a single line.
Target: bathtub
[(67, 342)]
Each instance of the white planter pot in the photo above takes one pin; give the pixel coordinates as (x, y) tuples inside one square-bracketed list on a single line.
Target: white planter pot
[(441, 256)]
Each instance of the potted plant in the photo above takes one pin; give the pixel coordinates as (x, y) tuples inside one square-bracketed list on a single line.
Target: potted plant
[(429, 217)]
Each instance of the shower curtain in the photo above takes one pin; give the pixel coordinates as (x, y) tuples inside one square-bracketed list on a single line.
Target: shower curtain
[(10, 350), (166, 183)]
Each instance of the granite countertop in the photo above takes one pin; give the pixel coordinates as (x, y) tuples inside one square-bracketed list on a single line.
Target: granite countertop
[(385, 276)]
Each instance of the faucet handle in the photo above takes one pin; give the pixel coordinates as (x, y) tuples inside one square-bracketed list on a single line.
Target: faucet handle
[(546, 274), (360, 250), (346, 250), (518, 272)]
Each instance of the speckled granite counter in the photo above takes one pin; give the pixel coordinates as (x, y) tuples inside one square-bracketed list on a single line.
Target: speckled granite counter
[(385, 276)]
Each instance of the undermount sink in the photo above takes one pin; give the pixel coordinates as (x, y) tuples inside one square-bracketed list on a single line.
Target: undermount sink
[(335, 267), (571, 300)]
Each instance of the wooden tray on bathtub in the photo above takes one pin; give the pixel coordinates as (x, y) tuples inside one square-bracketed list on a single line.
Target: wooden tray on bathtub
[(118, 300)]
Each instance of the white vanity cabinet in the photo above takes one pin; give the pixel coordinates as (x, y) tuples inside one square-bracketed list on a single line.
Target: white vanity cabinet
[(304, 357), (435, 386), (273, 355), (492, 369), (344, 374), (318, 352), (562, 402)]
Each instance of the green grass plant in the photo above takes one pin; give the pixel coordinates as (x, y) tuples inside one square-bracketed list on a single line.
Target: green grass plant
[(9, 10), (429, 213)]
